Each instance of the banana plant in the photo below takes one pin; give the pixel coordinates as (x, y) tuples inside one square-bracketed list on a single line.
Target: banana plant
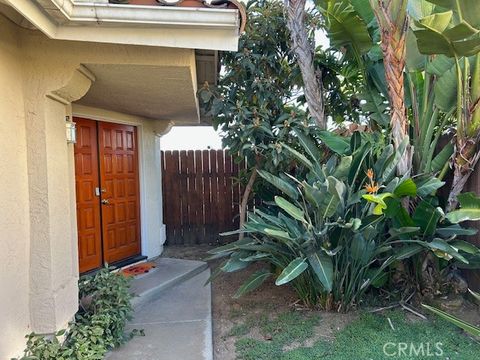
[(353, 34), (453, 31)]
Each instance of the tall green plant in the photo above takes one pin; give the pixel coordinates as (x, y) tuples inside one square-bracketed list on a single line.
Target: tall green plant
[(319, 236), (453, 30)]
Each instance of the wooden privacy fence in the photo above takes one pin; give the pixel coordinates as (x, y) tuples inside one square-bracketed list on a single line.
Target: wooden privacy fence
[(200, 195)]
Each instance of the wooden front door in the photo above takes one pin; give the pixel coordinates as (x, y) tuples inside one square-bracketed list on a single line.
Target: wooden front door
[(88, 204), (119, 177), (106, 175)]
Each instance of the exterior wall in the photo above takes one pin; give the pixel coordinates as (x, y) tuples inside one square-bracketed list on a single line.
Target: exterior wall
[(40, 79), (151, 207), (14, 205)]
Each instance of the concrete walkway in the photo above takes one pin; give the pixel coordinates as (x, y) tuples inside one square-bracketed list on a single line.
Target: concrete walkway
[(177, 321)]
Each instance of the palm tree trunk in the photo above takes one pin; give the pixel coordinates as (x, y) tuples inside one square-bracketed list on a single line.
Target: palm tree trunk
[(466, 159), (393, 22), (304, 52)]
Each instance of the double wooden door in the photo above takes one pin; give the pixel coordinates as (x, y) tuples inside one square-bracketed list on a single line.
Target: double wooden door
[(106, 181)]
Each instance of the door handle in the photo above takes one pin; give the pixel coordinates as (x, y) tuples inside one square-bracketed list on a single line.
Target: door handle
[(105, 202)]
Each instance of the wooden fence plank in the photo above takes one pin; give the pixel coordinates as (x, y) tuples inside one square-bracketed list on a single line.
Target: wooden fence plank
[(176, 205), (228, 219), (200, 197), (206, 173), (221, 189), (213, 224), (198, 205)]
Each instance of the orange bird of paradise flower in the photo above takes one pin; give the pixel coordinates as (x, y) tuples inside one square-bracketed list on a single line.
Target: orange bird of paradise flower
[(372, 187)]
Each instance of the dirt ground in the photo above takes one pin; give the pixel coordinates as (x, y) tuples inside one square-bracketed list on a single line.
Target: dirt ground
[(268, 299)]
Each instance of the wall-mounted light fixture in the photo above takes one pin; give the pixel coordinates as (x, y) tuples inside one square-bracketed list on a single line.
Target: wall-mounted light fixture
[(71, 131)]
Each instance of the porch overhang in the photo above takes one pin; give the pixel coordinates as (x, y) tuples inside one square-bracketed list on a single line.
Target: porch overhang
[(166, 26), (166, 92)]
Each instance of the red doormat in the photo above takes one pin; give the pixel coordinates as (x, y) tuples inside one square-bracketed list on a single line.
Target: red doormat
[(138, 269)]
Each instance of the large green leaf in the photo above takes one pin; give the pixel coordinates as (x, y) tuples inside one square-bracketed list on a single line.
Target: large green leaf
[(335, 142), (436, 35), (418, 9), (428, 186), (268, 230), (280, 184), (302, 158), (390, 166), (345, 28), (231, 246), (444, 247), (342, 169), (408, 251), (234, 264), (375, 106), (414, 59), (322, 266), (402, 232), (363, 8), (406, 188), (469, 9), (465, 246), (442, 158), (253, 282), (384, 159), (290, 209), (471, 329), (469, 209), (309, 145), (361, 249), (446, 89), (331, 201), (313, 195), (427, 216), (455, 230), (294, 269)]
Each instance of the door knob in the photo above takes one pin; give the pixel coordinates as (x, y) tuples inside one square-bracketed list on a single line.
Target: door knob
[(105, 202)]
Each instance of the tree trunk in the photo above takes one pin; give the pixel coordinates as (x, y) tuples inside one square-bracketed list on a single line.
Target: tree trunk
[(468, 155), (304, 52), (245, 197), (393, 23)]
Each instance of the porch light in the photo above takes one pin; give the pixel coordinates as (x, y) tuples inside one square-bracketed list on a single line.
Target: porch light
[(71, 131)]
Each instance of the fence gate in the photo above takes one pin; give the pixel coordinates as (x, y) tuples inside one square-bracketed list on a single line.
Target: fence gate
[(200, 195)]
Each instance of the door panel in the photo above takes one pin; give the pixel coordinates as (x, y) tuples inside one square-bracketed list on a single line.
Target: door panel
[(88, 205), (120, 195)]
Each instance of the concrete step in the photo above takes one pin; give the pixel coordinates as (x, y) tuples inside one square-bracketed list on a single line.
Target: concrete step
[(167, 273), (177, 325)]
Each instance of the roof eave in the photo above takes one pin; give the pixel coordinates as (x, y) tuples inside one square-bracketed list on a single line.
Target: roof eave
[(181, 27)]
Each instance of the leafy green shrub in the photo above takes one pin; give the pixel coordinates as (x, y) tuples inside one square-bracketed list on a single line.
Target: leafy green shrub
[(332, 235), (99, 324), (321, 240)]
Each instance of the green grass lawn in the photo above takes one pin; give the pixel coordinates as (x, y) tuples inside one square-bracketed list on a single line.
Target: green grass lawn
[(289, 337)]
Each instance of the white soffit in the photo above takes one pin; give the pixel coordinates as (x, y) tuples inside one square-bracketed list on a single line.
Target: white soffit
[(169, 26)]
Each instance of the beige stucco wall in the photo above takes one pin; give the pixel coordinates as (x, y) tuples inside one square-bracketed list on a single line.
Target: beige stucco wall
[(14, 205), (41, 78)]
